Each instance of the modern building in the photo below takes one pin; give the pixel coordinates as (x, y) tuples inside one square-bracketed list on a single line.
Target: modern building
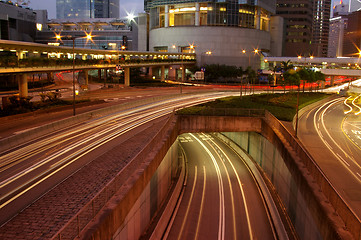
[(17, 23), (107, 33), (307, 26), (222, 32), (335, 39), (352, 35), (354, 5), (337, 25), (320, 27), (82, 9)]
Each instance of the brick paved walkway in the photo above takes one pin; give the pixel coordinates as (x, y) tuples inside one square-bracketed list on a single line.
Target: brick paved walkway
[(46, 216)]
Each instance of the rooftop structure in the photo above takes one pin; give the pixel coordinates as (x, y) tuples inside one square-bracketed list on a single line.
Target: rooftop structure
[(107, 33), (87, 9), (17, 23)]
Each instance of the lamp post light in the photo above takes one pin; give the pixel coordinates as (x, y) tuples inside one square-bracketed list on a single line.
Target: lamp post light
[(88, 37), (255, 52)]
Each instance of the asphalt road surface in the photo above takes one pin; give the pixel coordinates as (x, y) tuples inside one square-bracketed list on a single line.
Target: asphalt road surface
[(333, 139), (221, 199), (29, 170)]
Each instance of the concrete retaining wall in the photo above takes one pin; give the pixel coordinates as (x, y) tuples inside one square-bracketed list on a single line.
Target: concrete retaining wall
[(139, 217), (124, 206)]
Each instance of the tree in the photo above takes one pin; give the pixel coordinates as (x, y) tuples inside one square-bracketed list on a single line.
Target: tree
[(319, 77), (292, 77), (286, 65)]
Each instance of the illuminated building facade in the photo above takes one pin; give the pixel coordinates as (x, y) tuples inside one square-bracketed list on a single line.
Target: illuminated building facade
[(107, 33), (72, 9), (352, 36), (307, 26), (223, 32)]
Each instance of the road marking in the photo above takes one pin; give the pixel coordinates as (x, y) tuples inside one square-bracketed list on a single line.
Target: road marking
[(189, 204), (349, 106), (202, 202), (221, 222), (242, 191), (318, 132), (343, 160)]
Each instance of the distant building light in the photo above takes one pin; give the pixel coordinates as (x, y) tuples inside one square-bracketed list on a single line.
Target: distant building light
[(54, 44)]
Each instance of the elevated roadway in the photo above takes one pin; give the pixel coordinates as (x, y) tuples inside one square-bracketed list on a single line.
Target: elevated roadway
[(21, 58), (329, 66)]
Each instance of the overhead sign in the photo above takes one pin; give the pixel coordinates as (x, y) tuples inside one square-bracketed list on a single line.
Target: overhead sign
[(199, 75)]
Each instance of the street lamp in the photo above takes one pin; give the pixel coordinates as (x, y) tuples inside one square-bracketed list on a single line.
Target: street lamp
[(88, 37)]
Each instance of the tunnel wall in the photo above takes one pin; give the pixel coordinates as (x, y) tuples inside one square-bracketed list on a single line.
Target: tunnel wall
[(147, 179), (271, 161), (139, 217)]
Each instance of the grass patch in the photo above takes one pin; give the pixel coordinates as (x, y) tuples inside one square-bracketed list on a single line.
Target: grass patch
[(281, 105)]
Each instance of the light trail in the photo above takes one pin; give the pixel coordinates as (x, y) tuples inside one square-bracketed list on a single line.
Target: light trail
[(218, 151), (189, 204), (359, 108), (82, 140), (202, 202), (221, 221), (339, 158), (349, 106), (240, 187)]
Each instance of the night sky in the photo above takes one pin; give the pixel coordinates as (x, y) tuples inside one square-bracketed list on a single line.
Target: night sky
[(135, 6)]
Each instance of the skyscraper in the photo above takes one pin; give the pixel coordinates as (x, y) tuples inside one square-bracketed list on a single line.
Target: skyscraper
[(307, 26), (320, 27), (87, 9)]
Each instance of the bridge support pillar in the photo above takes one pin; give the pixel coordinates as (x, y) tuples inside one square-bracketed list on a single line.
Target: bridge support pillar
[(162, 73), (332, 81), (127, 76), (50, 76), (86, 76), (99, 74), (23, 84)]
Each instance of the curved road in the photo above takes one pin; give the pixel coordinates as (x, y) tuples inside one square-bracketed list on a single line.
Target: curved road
[(28, 171), (332, 136), (221, 199)]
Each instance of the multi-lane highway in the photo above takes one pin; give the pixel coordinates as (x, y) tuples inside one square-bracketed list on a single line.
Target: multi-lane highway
[(331, 133), (29, 170), (221, 199)]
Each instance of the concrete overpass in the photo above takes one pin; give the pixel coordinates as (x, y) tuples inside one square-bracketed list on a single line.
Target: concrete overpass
[(344, 66), (22, 58)]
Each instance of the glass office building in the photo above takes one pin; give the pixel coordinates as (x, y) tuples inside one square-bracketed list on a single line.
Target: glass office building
[(75, 9), (225, 32), (243, 13)]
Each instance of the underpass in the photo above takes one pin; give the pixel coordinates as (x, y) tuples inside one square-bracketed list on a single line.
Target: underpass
[(147, 161), (221, 199)]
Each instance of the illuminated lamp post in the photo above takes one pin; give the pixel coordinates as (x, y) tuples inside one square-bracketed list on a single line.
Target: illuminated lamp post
[(88, 37)]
